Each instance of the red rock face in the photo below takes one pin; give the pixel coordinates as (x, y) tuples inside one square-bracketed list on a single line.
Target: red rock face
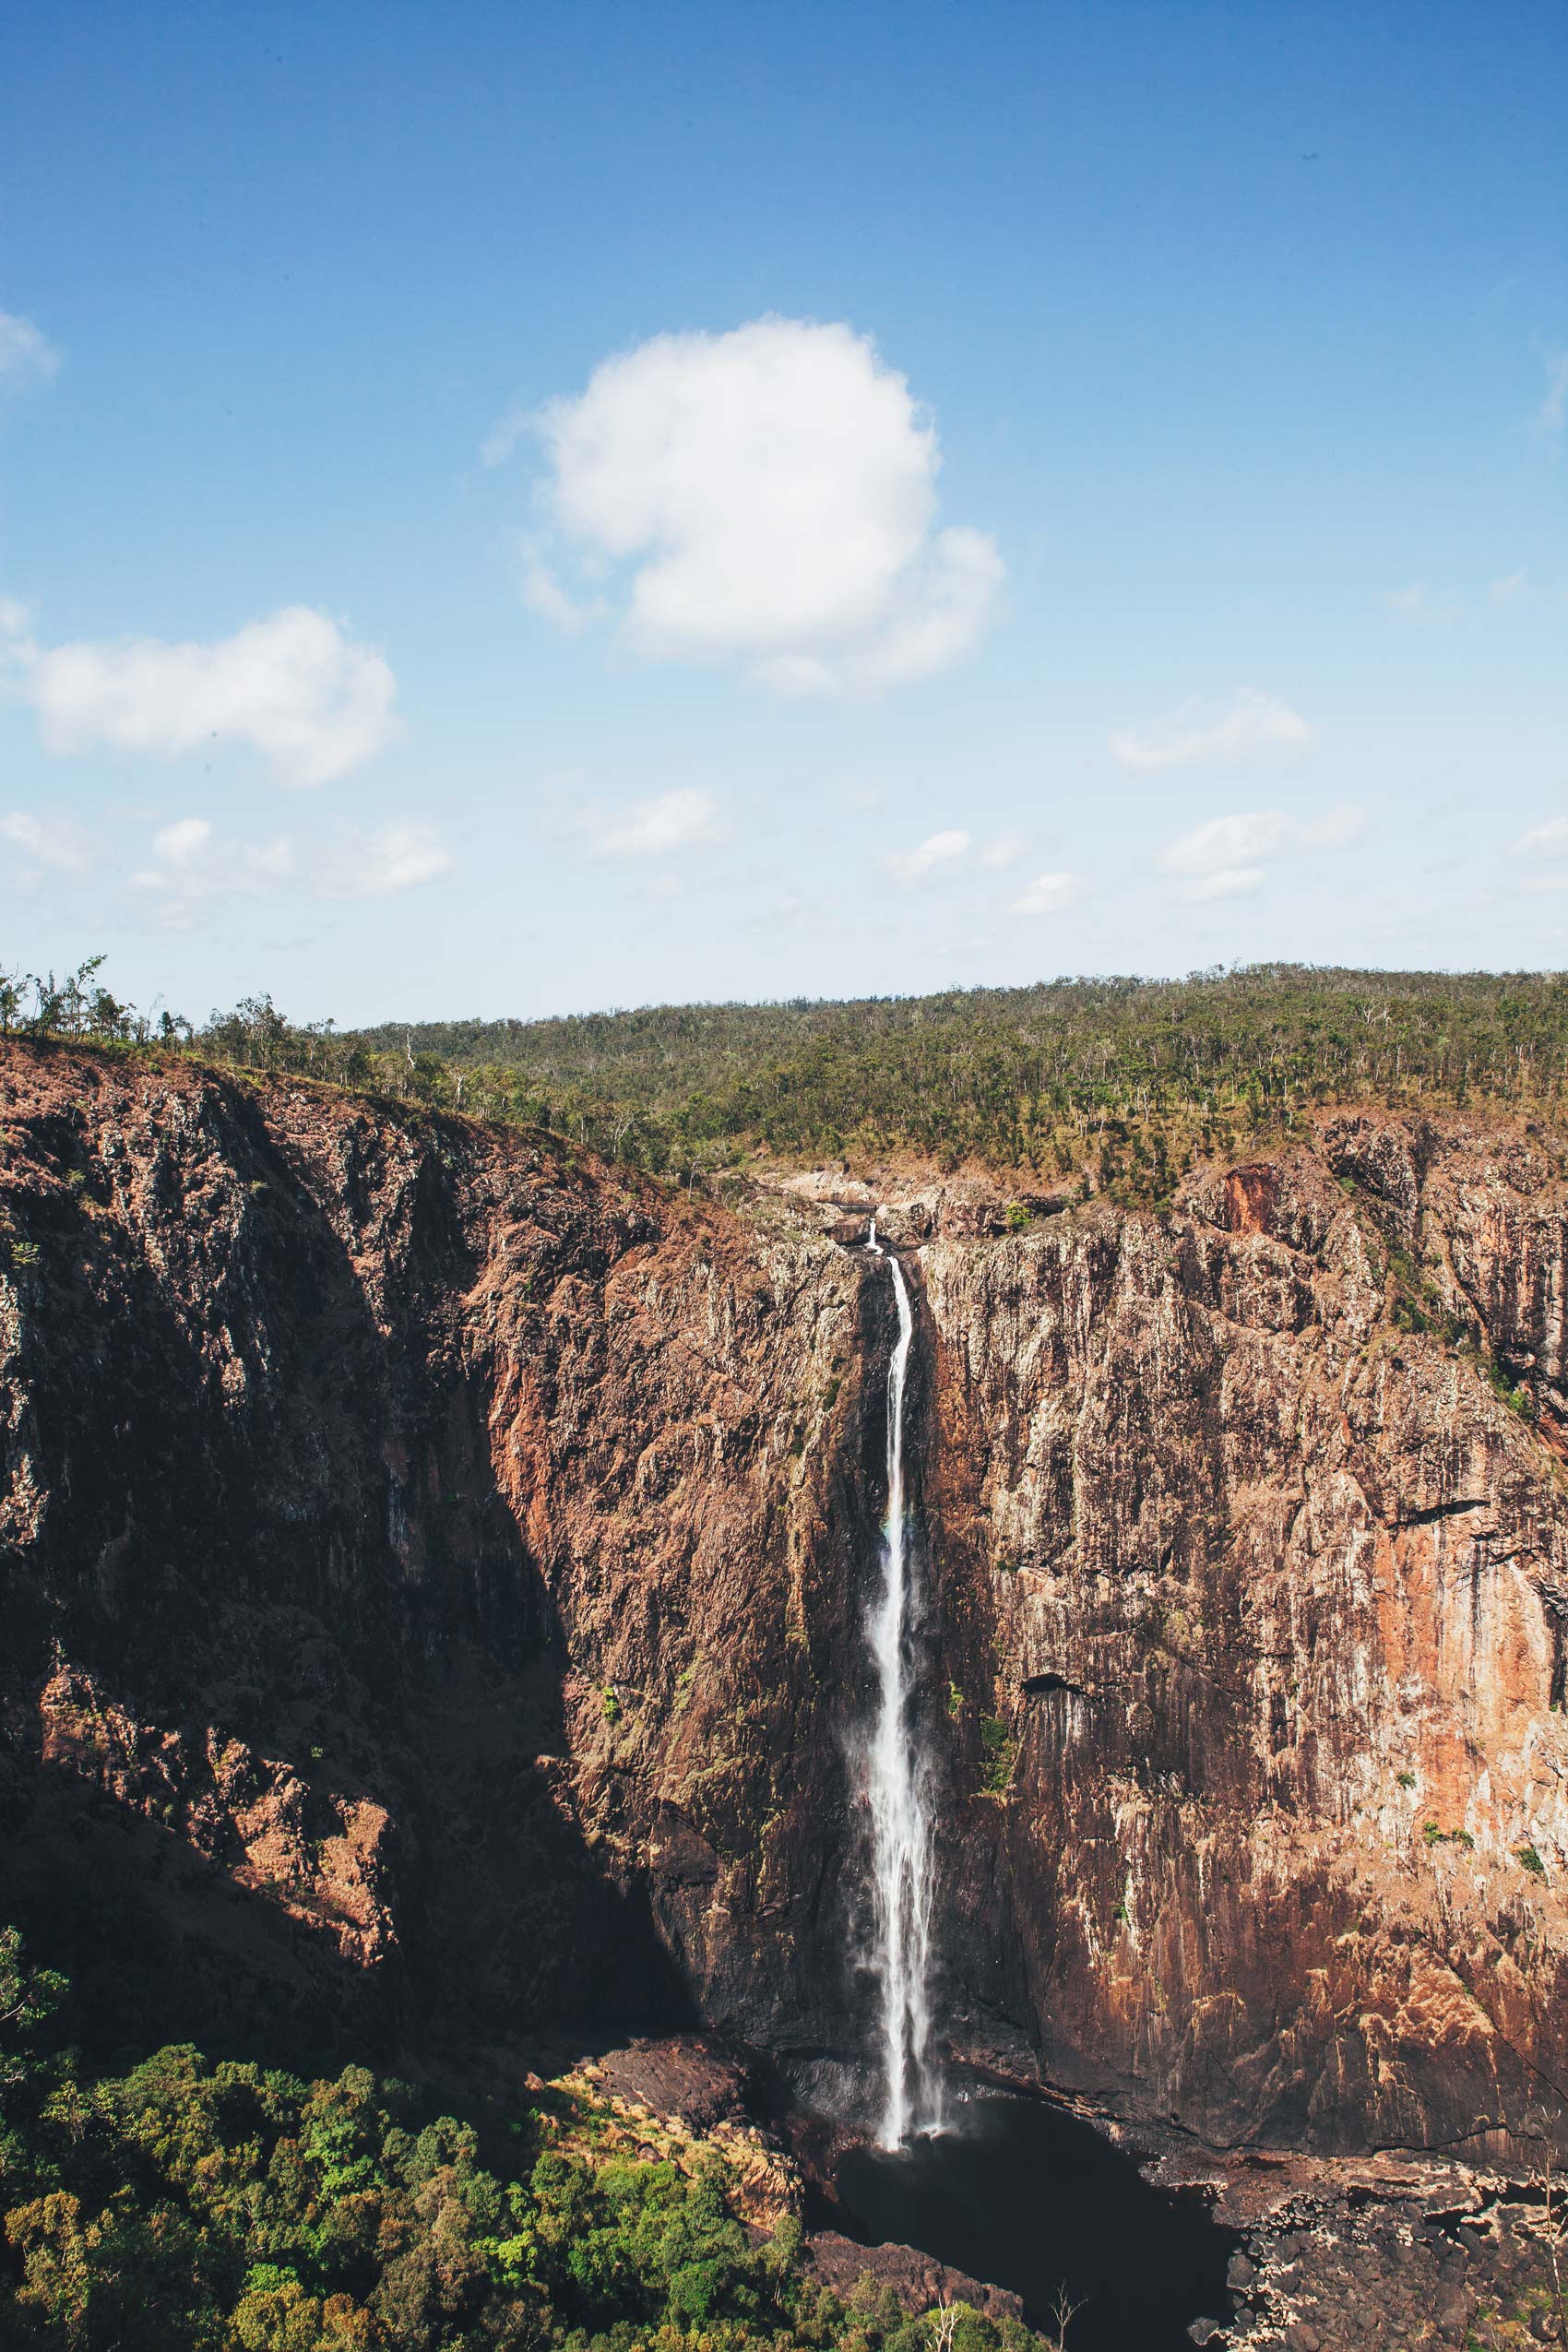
[(430, 1573), (1269, 1592), (433, 1571)]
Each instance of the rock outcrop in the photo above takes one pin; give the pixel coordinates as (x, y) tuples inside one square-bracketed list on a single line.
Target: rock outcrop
[(433, 1571)]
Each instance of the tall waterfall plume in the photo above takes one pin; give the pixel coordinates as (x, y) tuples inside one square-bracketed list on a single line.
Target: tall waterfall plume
[(896, 1784)]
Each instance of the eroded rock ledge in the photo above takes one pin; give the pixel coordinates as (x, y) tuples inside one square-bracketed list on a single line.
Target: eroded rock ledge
[(1384, 2252)]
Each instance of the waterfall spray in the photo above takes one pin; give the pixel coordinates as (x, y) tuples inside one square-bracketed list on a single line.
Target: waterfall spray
[(896, 1788)]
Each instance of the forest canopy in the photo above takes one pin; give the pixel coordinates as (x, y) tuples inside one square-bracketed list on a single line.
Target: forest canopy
[(1044, 1077), (183, 2206)]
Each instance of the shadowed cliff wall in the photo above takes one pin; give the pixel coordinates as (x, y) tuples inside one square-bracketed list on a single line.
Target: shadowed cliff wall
[(430, 1573)]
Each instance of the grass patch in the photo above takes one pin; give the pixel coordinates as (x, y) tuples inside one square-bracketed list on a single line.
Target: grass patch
[(999, 1755)]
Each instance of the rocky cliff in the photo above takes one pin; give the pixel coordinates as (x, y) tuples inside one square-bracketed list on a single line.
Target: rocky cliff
[(430, 1573), (1253, 1531), (433, 1571)]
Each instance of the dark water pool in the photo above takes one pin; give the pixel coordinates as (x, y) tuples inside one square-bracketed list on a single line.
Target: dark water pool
[(1028, 2197)]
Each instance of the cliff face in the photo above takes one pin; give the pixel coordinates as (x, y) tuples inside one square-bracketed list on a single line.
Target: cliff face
[(434, 1575), (1270, 1593), (430, 1573)]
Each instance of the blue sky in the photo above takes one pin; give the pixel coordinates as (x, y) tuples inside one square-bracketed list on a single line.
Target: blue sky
[(515, 508)]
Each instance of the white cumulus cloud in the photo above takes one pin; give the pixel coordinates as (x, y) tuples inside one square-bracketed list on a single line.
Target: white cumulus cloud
[(1228, 857), (681, 819), (770, 497), (295, 687), (1049, 894), (27, 355), (1251, 727), (937, 849)]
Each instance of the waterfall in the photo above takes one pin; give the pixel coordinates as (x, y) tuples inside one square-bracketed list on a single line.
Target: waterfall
[(896, 1779)]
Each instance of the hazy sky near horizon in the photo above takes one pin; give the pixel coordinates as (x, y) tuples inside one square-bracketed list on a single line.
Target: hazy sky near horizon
[(513, 508)]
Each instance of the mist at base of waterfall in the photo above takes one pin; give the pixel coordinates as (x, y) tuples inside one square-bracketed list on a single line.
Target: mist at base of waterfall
[(850, 2095), (1022, 2194)]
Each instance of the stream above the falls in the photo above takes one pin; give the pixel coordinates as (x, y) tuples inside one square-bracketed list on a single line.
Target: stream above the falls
[(1024, 2195)]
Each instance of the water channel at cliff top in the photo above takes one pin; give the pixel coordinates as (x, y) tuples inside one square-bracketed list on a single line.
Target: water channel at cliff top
[(1022, 2194)]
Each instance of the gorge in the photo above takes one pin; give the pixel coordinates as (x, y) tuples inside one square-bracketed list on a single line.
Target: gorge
[(438, 1572)]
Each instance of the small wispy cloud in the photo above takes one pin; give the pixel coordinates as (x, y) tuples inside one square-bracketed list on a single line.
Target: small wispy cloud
[(684, 818), (1228, 857), (505, 433), (51, 841), (1252, 726), (27, 355), (1049, 894), (1544, 844), (191, 867), (1553, 414), (1006, 850), (1408, 600), (189, 864), (1420, 602), (544, 594), (376, 860), (937, 849)]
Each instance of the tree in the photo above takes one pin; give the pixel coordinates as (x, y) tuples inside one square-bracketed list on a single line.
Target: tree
[(29, 2000)]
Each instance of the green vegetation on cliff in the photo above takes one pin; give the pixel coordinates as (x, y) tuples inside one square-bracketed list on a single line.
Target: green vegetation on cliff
[(1036, 1077), (1136, 1074), (182, 2206)]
